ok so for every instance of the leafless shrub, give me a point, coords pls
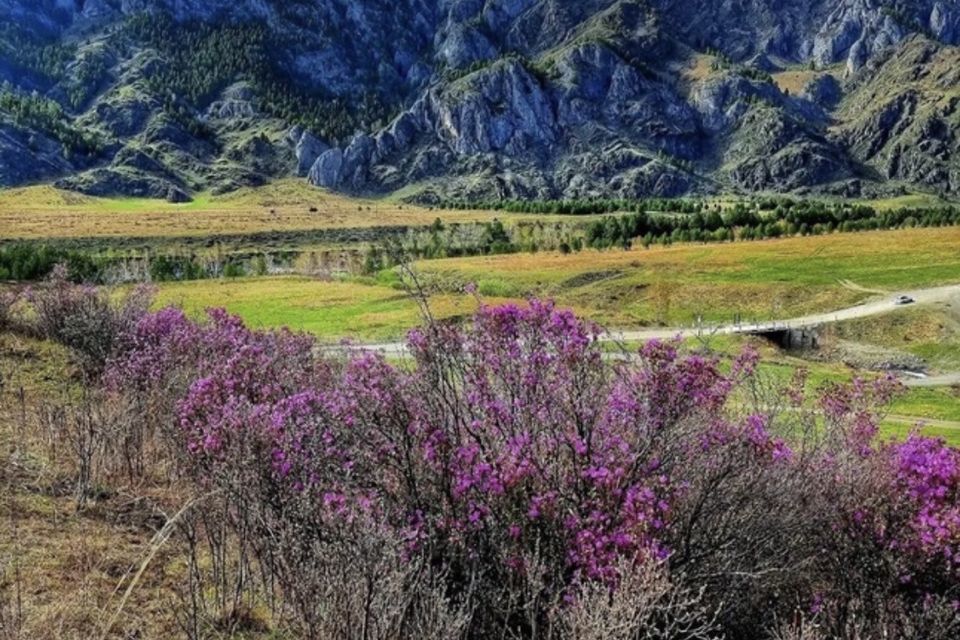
(803, 628)
(645, 606)
(78, 429)
(890, 616)
(7, 301)
(350, 578)
(221, 589)
(353, 583)
(366, 590)
(938, 619)
(96, 436)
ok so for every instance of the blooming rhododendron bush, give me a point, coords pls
(512, 480)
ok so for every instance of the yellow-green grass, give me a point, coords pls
(33, 366)
(798, 275)
(893, 429)
(934, 403)
(910, 200)
(44, 212)
(795, 81)
(770, 279)
(330, 310)
(934, 412)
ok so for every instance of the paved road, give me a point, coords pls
(864, 310)
(927, 422)
(943, 380)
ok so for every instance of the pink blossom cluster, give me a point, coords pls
(928, 479)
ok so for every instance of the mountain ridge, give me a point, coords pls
(481, 98)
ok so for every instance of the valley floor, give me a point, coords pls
(65, 572)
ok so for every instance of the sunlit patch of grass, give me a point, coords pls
(936, 403)
(909, 201)
(900, 430)
(330, 310)
(700, 67)
(794, 81)
(33, 365)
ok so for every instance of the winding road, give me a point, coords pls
(866, 309)
(862, 310)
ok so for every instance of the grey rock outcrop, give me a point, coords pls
(236, 102)
(307, 148)
(327, 171)
(109, 182)
(945, 22)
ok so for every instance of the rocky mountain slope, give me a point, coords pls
(481, 98)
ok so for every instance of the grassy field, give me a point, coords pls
(764, 280)
(331, 310)
(893, 429)
(668, 286)
(620, 289)
(794, 80)
(45, 212)
(61, 565)
(49, 213)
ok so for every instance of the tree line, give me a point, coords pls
(744, 223)
(578, 207)
(665, 221)
(30, 262)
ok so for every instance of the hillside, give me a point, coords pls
(474, 98)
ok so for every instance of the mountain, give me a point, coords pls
(482, 98)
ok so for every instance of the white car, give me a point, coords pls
(901, 300)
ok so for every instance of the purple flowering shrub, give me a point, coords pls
(927, 482)
(514, 464)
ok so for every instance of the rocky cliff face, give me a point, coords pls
(539, 98)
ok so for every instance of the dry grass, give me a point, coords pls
(46, 212)
(59, 567)
(69, 564)
(795, 81)
(700, 68)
